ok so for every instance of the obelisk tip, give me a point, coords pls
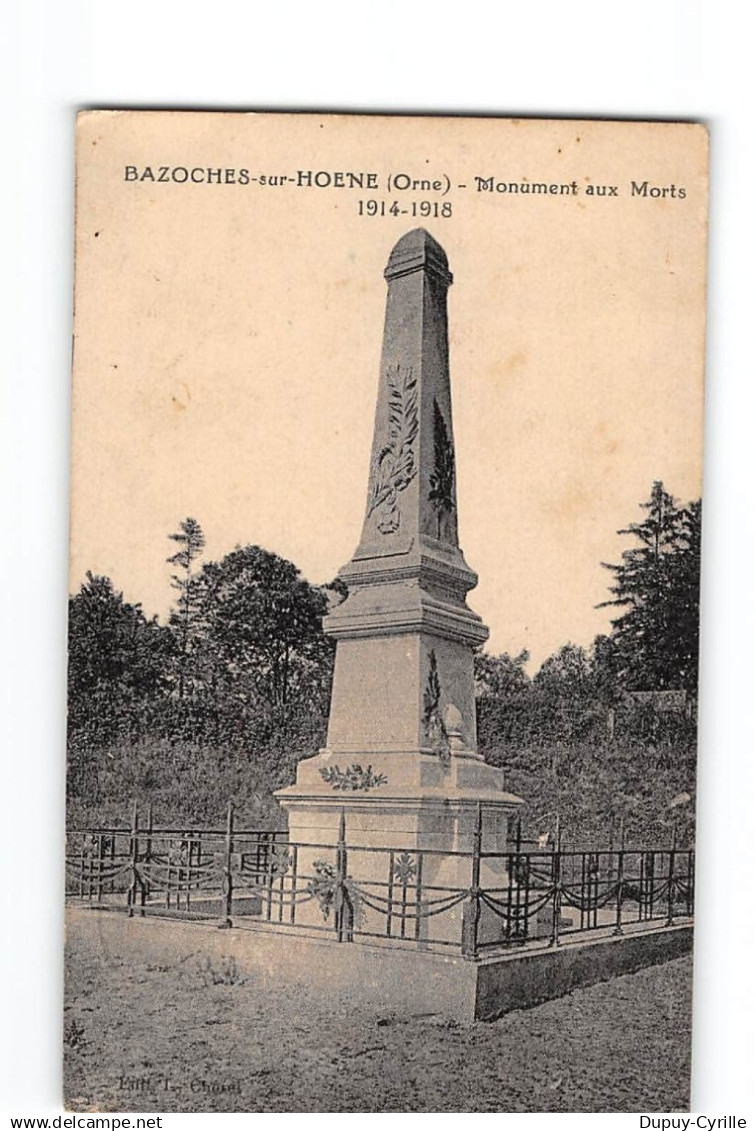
(418, 251)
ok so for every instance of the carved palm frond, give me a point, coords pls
(403, 424)
(395, 466)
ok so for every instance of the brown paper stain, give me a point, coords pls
(508, 366)
(179, 404)
(568, 504)
(605, 442)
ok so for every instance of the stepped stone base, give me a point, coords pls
(403, 982)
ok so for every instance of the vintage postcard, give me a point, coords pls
(383, 628)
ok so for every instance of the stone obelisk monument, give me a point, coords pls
(401, 757)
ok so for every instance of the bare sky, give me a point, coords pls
(228, 342)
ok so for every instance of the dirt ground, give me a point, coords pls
(154, 1022)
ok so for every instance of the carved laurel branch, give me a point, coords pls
(354, 778)
(435, 731)
(395, 466)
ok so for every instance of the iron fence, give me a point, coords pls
(474, 902)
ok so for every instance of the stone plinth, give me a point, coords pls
(374, 980)
(429, 811)
(401, 760)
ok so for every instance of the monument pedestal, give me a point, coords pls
(409, 840)
(422, 804)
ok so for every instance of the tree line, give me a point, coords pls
(242, 669)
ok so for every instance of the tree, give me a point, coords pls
(566, 674)
(261, 622)
(605, 664)
(657, 584)
(564, 697)
(192, 542)
(685, 598)
(501, 676)
(503, 698)
(117, 660)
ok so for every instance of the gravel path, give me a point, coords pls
(165, 1027)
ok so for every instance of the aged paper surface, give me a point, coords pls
(229, 322)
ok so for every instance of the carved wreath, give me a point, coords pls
(325, 886)
(353, 778)
(395, 467)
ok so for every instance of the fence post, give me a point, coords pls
(390, 894)
(270, 840)
(556, 914)
(228, 882)
(620, 890)
(471, 914)
(418, 896)
(610, 875)
(294, 862)
(148, 860)
(112, 862)
(133, 854)
(509, 933)
(82, 849)
(100, 864)
(671, 878)
(338, 890)
(523, 868)
(342, 905)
